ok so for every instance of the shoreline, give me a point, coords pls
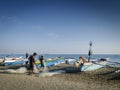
(102, 79)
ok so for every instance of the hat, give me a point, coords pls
(34, 53)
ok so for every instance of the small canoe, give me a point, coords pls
(53, 62)
(48, 60)
(93, 65)
(15, 62)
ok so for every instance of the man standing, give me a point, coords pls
(32, 62)
(27, 55)
(41, 58)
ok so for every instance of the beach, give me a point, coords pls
(101, 79)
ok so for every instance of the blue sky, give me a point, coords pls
(59, 26)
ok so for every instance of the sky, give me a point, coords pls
(59, 26)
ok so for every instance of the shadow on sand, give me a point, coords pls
(116, 77)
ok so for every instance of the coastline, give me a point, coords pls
(102, 79)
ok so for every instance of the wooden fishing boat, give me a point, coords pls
(93, 65)
(52, 62)
(15, 62)
(48, 60)
(12, 58)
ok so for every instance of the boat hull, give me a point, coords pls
(52, 63)
(93, 65)
(15, 62)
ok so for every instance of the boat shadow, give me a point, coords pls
(116, 77)
(107, 73)
(67, 69)
(110, 74)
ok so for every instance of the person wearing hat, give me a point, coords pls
(31, 63)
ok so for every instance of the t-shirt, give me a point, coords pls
(31, 59)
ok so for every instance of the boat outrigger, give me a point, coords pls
(93, 65)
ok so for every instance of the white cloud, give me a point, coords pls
(10, 18)
(53, 35)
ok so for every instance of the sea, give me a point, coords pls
(114, 59)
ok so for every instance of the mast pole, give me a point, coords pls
(90, 51)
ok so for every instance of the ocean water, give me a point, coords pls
(115, 59)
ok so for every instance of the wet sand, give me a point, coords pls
(102, 79)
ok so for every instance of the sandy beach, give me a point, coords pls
(102, 79)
